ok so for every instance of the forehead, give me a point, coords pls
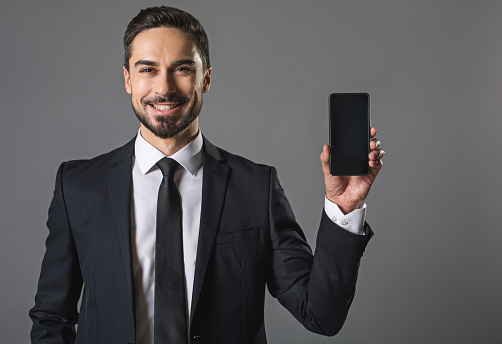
(164, 44)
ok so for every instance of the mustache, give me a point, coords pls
(160, 99)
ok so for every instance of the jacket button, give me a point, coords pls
(196, 340)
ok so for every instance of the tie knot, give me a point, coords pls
(168, 166)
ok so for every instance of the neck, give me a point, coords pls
(173, 144)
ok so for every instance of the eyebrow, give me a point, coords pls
(183, 62)
(155, 64)
(146, 63)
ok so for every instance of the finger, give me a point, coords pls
(375, 165)
(375, 143)
(373, 131)
(376, 154)
(381, 153)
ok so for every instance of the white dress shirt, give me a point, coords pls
(146, 179)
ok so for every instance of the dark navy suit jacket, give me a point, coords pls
(248, 239)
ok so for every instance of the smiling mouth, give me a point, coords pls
(165, 107)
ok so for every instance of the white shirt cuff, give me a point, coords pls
(352, 222)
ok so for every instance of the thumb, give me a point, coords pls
(325, 160)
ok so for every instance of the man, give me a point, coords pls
(192, 267)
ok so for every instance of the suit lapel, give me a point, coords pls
(214, 186)
(119, 185)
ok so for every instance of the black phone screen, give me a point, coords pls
(349, 133)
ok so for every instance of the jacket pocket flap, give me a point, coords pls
(248, 233)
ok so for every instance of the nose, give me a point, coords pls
(166, 84)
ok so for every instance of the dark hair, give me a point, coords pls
(164, 16)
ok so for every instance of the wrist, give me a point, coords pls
(345, 207)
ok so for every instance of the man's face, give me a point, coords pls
(166, 81)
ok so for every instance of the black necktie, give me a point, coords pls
(170, 313)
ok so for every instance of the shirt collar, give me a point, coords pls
(190, 156)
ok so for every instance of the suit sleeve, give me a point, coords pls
(317, 289)
(55, 312)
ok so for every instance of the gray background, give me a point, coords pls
(431, 274)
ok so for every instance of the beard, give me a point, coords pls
(165, 126)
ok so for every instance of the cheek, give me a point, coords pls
(140, 89)
(189, 85)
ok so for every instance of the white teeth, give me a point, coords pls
(165, 107)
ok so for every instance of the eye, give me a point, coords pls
(146, 70)
(183, 69)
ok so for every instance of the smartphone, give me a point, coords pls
(349, 134)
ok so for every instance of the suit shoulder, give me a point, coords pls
(98, 163)
(86, 163)
(244, 164)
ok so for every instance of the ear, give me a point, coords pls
(207, 80)
(127, 80)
